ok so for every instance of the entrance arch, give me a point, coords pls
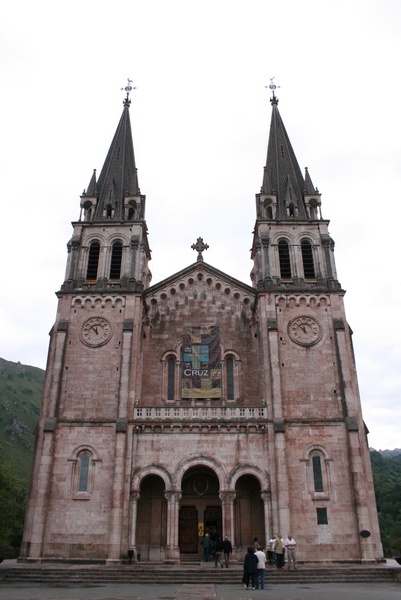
(248, 513)
(151, 526)
(200, 508)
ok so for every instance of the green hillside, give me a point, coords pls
(20, 397)
(387, 481)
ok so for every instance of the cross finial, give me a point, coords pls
(273, 87)
(200, 247)
(128, 88)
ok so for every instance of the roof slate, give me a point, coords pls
(118, 177)
(282, 175)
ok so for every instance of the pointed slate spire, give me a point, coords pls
(118, 177)
(92, 187)
(309, 187)
(282, 175)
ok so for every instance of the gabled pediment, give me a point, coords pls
(203, 284)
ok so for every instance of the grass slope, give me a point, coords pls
(20, 398)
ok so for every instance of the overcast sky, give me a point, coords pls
(200, 117)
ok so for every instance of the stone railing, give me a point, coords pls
(181, 413)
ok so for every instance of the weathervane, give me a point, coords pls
(128, 88)
(273, 87)
(200, 247)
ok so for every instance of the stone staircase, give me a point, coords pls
(189, 573)
(190, 559)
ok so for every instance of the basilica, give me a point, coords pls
(200, 403)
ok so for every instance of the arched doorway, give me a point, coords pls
(249, 513)
(200, 508)
(151, 519)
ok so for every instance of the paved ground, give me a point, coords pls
(141, 591)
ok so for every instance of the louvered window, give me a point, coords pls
(284, 257)
(93, 261)
(116, 256)
(307, 259)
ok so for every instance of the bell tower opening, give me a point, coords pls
(200, 509)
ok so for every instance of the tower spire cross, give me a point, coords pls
(273, 87)
(128, 88)
(200, 247)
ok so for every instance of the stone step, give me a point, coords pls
(190, 559)
(189, 574)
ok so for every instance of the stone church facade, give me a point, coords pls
(200, 403)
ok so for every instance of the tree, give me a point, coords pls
(13, 498)
(387, 481)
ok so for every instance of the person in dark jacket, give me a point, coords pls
(250, 568)
(227, 549)
(206, 543)
(218, 549)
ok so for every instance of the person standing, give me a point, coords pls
(213, 539)
(250, 568)
(206, 543)
(218, 549)
(227, 549)
(290, 544)
(261, 569)
(270, 553)
(278, 550)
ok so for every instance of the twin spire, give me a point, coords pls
(118, 179)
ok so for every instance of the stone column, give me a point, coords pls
(173, 506)
(177, 380)
(266, 501)
(116, 513)
(227, 509)
(134, 248)
(135, 495)
(73, 250)
(266, 262)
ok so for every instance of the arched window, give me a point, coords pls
(313, 209)
(93, 261)
(317, 472)
(115, 264)
(284, 258)
(84, 461)
(230, 377)
(307, 259)
(170, 378)
(270, 212)
(291, 210)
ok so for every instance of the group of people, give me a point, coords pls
(255, 559)
(214, 547)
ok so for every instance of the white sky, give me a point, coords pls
(200, 119)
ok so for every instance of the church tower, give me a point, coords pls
(319, 452)
(200, 404)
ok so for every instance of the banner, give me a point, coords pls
(201, 377)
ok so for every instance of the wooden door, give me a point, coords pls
(188, 540)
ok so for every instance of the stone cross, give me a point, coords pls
(200, 246)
